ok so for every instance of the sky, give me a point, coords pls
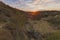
(34, 5)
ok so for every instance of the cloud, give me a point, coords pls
(34, 5)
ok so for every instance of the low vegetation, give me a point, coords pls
(17, 25)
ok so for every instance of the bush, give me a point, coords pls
(53, 36)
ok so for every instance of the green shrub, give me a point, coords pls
(53, 36)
